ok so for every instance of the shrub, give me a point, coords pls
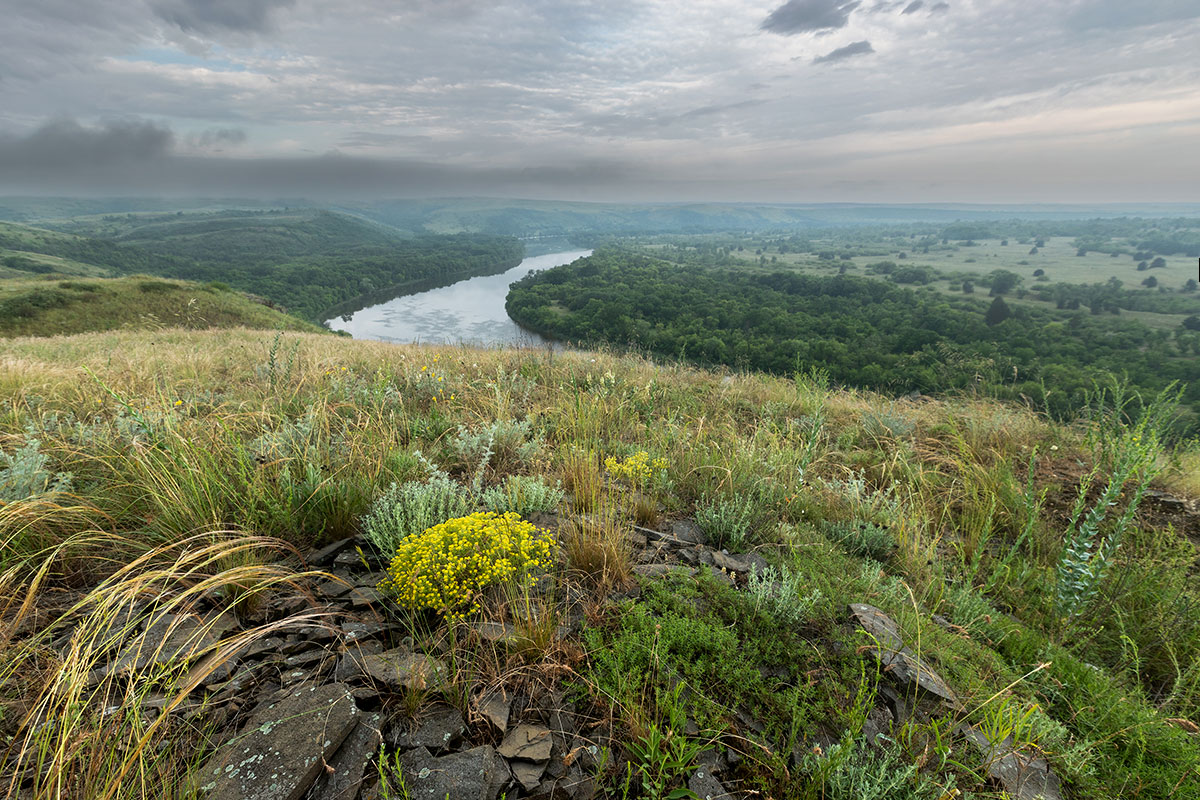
(504, 443)
(24, 474)
(410, 508)
(638, 470)
(446, 568)
(523, 495)
(778, 592)
(727, 522)
(860, 539)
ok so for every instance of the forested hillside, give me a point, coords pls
(863, 332)
(305, 261)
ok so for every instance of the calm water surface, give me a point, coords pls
(470, 311)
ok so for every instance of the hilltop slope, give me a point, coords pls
(693, 616)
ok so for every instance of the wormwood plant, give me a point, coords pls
(780, 593)
(523, 495)
(446, 568)
(24, 474)
(1088, 550)
(727, 521)
(409, 508)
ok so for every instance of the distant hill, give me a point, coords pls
(304, 260)
(52, 307)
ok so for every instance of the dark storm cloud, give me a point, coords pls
(136, 156)
(802, 16)
(63, 146)
(842, 53)
(215, 16)
(913, 7)
(217, 138)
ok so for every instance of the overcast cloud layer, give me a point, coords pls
(806, 100)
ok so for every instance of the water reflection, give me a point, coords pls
(470, 311)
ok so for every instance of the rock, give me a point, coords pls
(352, 663)
(739, 564)
(494, 632)
(329, 553)
(527, 773)
(437, 730)
(349, 762)
(528, 742)
(877, 724)
(687, 531)
(361, 597)
(705, 786)
(475, 774)
(898, 661)
(349, 558)
(1024, 776)
(1165, 501)
(402, 669)
(284, 746)
(495, 708)
(168, 638)
(658, 570)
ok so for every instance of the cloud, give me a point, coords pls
(803, 16)
(63, 145)
(216, 16)
(217, 138)
(939, 8)
(842, 53)
(913, 7)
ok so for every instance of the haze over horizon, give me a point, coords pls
(991, 101)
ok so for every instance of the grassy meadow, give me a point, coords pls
(162, 465)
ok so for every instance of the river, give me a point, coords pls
(469, 312)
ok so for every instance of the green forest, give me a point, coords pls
(863, 332)
(305, 262)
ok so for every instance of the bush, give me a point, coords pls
(861, 539)
(727, 522)
(778, 592)
(504, 443)
(410, 508)
(24, 474)
(446, 568)
(523, 495)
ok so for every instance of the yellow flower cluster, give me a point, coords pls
(638, 469)
(446, 568)
(436, 382)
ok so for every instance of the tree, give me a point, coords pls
(968, 287)
(1003, 282)
(1158, 263)
(1150, 282)
(997, 312)
(1192, 323)
(1037, 273)
(1191, 285)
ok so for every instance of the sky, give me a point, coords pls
(616, 100)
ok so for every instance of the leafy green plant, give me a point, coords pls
(505, 444)
(523, 495)
(662, 760)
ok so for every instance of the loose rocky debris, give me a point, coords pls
(304, 711)
(899, 662)
(1024, 776)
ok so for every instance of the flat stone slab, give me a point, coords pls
(437, 730)
(706, 787)
(284, 747)
(1024, 776)
(475, 774)
(495, 708)
(350, 761)
(898, 660)
(403, 669)
(527, 742)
